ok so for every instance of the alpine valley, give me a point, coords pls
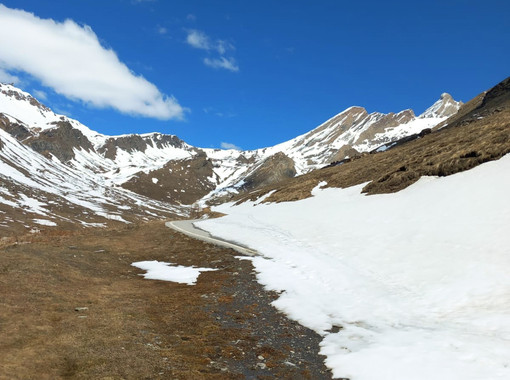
(374, 246)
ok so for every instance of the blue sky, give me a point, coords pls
(253, 74)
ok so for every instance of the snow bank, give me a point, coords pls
(418, 280)
(159, 270)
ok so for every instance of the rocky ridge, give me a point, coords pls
(164, 168)
(479, 132)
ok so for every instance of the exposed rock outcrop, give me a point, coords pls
(273, 170)
(179, 181)
(59, 141)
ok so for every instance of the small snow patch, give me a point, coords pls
(159, 270)
(45, 222)
(319, 187)
(155, 180)
(264, 197)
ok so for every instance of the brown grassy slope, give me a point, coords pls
(134, 328)
(479, 133)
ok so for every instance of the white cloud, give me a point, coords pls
(191, 17)
(226, 145)
(5, 77)
(222, 63)
(223, 46)
(162, 30)
(40, 95)
(200, 40)
(69, 58)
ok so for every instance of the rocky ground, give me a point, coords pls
(72, 306)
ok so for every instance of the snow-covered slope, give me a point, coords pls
(411, 285)
(356, 128)
(117, 160)
(38, 187)
(350, 132)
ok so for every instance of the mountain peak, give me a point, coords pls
(446, 106)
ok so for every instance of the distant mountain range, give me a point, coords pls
(57, 171)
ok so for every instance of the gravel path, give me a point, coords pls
(272, 345)
(188, 228)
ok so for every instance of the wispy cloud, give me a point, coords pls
(162, 30)
(215, 112)
(53, 52)
(226, 145)
(200, 40)
(40, 95)
(5, 77)
(222, 63)
(191, 17)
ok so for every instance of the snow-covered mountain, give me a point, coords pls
(70, 158)
(357, 129)
(36, 190)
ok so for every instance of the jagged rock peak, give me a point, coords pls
(446, 106)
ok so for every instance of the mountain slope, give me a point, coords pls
(42, 191)
(165, 168)
(479, 133)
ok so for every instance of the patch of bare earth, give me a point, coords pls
(72, 306)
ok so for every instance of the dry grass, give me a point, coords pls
(132, 328)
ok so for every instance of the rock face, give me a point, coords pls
(60, 141)
(138, 143)
(446, 106)
(498, 96)
(17, 130)
(37, 192)
(274, 169)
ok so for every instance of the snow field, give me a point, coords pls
(418, 280)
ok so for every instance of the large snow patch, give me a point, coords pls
(418, 281)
